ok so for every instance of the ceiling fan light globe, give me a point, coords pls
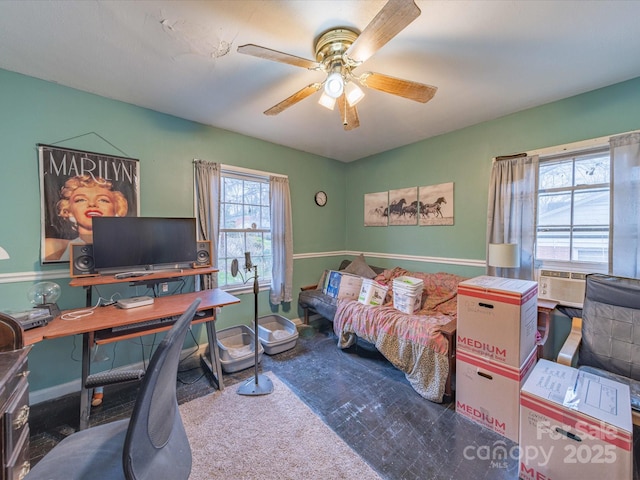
(354, 94)
(326, 101)
(334, 86)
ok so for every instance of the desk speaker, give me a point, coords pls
(81, 261)
(203, 254)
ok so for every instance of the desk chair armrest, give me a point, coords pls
(569, 352)
(111, 377)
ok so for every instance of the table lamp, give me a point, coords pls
(504, 255)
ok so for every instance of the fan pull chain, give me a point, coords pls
(344, 121)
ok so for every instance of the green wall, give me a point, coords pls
(464, 157)
(35, 111)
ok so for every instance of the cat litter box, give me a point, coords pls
(236, 348)
(277, 334)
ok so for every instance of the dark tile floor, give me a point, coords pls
(360, 395)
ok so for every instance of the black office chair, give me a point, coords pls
(151, 445)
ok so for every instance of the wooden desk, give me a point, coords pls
(97, 328)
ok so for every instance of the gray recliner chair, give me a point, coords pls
(151, 445)
(606, 340)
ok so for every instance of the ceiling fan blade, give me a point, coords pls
(418, 92)
(348, 113)
(263, 52)
(293, 99)
(389, 21)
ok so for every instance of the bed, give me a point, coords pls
(422, 344)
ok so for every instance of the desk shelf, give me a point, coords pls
(160, 275)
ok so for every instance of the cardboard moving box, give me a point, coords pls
(488, 391)
(498, 318)
(342, 285)
(574, 425)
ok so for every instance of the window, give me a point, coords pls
(573, 210)
(245, 226)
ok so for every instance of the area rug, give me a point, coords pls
(274, 436)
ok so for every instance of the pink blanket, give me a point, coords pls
(412, 342)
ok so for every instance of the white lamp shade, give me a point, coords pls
(3, 254)
(504, 255)
(354, 94)
(326, 101)
(334, 85)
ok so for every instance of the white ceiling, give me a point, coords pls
(487, 58)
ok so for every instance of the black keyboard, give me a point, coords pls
(117, 331)
(137, 327)
(156, 322)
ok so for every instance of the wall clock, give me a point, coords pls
(321, 198)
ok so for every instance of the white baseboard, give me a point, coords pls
(74, 386)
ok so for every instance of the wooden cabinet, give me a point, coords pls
(14, 401)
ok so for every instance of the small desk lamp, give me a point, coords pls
(504, 255)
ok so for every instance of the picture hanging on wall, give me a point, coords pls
(436, 204)
(376, 207)
(75, 187)
(403, 206)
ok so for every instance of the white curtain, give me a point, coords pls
(511, 211)
(207, 185)
(624, 258)
(281, 241)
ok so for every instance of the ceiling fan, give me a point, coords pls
(339, 52)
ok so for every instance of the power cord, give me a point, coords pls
(196, 348)
(78, 314)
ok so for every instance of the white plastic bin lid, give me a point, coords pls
(408, 281)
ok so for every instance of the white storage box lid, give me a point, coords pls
(408, 282)
(573, 390)
(507, 286)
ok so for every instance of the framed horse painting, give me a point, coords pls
(435, 203)
(403, 206)
(376, 209)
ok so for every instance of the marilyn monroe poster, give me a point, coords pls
(77, 186)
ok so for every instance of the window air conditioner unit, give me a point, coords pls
(566, 288)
